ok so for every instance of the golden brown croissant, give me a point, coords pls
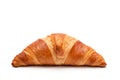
(58, 49)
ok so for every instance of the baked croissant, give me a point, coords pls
(58, 49)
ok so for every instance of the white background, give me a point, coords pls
(94, 22)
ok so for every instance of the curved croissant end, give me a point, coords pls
(58, 49)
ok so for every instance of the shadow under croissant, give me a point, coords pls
(62, 66)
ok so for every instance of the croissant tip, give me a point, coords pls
(13, 64)
(104, 64)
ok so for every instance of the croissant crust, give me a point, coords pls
(58, 49)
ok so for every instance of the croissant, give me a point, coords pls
(58, 49)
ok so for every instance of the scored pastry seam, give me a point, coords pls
(86, 57)
(69, 46)
(32, 56)
(99, 57)
(50, 46)
(57, 60)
